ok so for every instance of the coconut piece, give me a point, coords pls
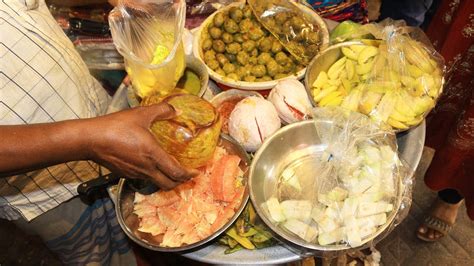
(291, 100)
(252, 121)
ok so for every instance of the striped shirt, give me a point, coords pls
(42, 79)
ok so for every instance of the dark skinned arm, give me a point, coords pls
(122, 142)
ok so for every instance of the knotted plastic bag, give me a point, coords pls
(297, 31)
(395, 77)
(357, 190)
(148, 35)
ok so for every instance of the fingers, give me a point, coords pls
(171, 167)
(163, 181)
(161, 111)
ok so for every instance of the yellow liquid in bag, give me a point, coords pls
(147, 80)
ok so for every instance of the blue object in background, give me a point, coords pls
(412, 11)
(323, 3)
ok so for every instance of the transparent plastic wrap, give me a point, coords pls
(395, 77)
(356, 191)
(148, 33)
(297, 31)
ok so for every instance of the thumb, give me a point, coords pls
(161, 111)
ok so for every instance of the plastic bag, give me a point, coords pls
(297, 31)
(356, 190)
(395, 78)
(148, 33)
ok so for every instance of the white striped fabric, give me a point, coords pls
(42, 79)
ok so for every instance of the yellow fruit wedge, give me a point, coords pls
(335, 102)
(321, 80)
(385, 107)
(350, 69)
(328, 98)
(369, 100)
(415, 121)
(367, 53)
(422, 104)
(380, 64)
(347, 85)
(335, 82)
(336, 68)
(357, 48)
(403, 104)
(408, 81)
(365, 68)
(395, 115)
(414, 71)
(351, 101)
(349, 53)
(315, 91)
(396, 124)
(324, 93)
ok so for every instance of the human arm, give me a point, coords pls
(121, 141)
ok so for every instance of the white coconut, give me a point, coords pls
(252, 121)
(290, 93)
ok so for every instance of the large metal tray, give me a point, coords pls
(410, 146)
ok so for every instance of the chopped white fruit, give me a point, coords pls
(274, 209)
(373, 220)
(337, 194)
(352, 232)
(366, 231)
(360, 187)
(334, 211)
(288, 177)
(371, 208)
(323, 198)
(334, 236)
(388, 155)
(370, 154)
(306, 232)
(297, 209)
(371, 197)
(349, 208)
(318, 212)
(327, 224)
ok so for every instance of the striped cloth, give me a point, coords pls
(42, 79)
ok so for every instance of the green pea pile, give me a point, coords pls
(237, 46)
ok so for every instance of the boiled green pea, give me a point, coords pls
(218, 46)
(233, 48)
(228, 68)
(218, 19)
(207, 44)
(215, 32)
(231, 26)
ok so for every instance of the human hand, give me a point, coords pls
(124, 144)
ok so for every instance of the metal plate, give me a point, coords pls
(410, 144)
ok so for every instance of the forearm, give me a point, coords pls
(29, 147)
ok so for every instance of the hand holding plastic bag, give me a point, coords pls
(148, 34)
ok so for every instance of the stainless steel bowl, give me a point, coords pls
(129, 221)
(322, 62)
(263, 85)
(295, 141)
(192, 63)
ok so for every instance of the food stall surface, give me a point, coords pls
(401, 247)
